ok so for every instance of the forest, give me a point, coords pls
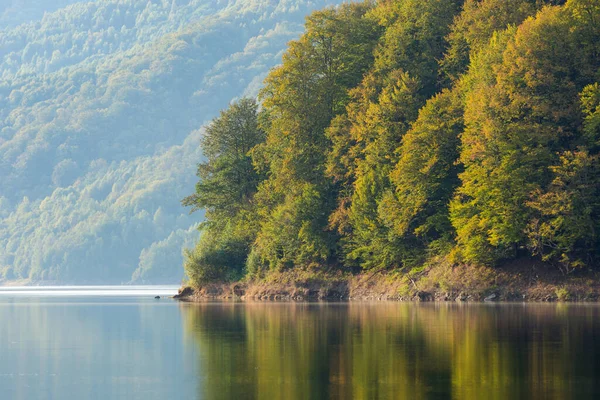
(102, 104)
(400, 135)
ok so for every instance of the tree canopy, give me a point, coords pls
(400, 131)
(102, 107)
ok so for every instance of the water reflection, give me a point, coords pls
(395, 351)
(124, 347)
(62, 347)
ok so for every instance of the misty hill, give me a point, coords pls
(101, 108)
(16, 12)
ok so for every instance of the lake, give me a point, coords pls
(121, 343)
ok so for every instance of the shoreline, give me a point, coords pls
(27, 283)
(519, 281)
(16, 283)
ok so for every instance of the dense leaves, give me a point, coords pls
(524, 141)
(404, 75)
(301, 98)
(228, 179)
(407, 130)
(102, 105)
(227, 186)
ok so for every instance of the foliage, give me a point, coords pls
(392, 133)
(227, 178)
(458, 131)
(476, 24)
(383, 126)
(524, 137)
(301, 97)
(565, 226)
(102, 105)
(365, 141)
(426, 174)
(215, 258)
(562, 294)
(226, 189)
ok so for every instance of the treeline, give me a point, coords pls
(397, 133)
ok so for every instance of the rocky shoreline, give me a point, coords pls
(520, 281)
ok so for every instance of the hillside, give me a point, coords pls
(101, 111)
(16, 12)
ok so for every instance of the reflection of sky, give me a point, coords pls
(104, 291)
(114, 343)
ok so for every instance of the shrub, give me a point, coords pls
(215, 260)
(562, 294)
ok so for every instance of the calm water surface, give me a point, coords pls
(121, 343)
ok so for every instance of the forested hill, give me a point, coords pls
(101, 109)
(409, 134)
(16, 12)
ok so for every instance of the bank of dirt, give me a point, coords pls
(522, 280)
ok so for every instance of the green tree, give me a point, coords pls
(228, 179)
(518, 123)
(474, 26)
(590, 104)
(364, 155)
(226, 189)
(426, 174)
(379, 132)
(301, 97)
(415, 38)
(565, 219)
(365, 140)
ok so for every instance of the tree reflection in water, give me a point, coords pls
(395, 351)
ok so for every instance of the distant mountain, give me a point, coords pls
(101, 109)
(16, 12)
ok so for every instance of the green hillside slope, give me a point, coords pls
(101, 109)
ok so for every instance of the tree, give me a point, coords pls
(475, 25)
(566, 215)
(366, 139)
(226, 189)
(415, 38)
(426, 175)
(379, 131)
(565, 221)
(518, 124)
(300, 98)
(228, 179)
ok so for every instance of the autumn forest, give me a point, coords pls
(401, 134)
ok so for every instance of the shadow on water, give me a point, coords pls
(395, 351)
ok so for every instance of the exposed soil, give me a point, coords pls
(521, 280)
